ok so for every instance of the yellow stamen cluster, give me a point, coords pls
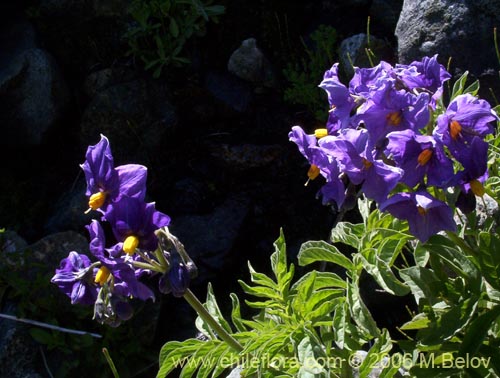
(320, 133)
(130, 244)
(394, 118)
(477, 188)
(424, 157)
(455, 129)
(102, 275)
(96, 200)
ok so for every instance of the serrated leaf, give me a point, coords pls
(213, 309)
(278, 258)
(313, 251)
(173, 352)
(236, 314)
(260, 278)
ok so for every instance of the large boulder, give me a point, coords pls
(456, 29)
(33, 93)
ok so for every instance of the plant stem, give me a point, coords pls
(209, 319)
(110, 363)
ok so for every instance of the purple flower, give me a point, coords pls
(340, 101)
(134, 222)
(420, 156)
(106, 183)
(390, 110)
(425, 75)
(125, 282)
(321, 163)
(76, 279)
(357, 161)
(426, 215)
(175, 281)
(365, 80)
(465, 118)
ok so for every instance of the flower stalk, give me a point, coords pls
(209, 319)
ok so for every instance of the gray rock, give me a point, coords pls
(249, 63)
(352, 51)
(11, 242)
(209, 238)
(33, 93)
(50, 250)
(230, 90)
(19, 354)
(134, 115)
(451, 28)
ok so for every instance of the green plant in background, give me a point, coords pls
(304, 73)
(162, 28)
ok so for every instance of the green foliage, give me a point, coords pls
(162, 28)
(304, 73)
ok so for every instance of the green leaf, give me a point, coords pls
(360, 313)
(172, 353)
(236, 314)
(310, 367)
(347, 233)
(173, 28)
(473, 88)
(458, 87)
(313, 251)
(489, 258)
(212, 307)
(420, 321)
(379, 349)
(323, 280)
(41, 336)
(278, 258)
(477, 331)
(383, 274)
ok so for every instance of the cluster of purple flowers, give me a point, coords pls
(118, 194)
(390, 137)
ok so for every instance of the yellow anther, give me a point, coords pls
(96, 200)
(320, 133)
(455, 129)
(424, 157)
(477, 188)
(421, 210)
(130, 244)
(312, 173)
(394, 118)
(102, 275)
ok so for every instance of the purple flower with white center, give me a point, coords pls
(465, 118)
(134, 223)
(427, 74)
(420, 156)
(125, 282)
(75, 278)
(425, 214)
(105, 183)
(390, 110)
(350, 148)
(340, 101)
